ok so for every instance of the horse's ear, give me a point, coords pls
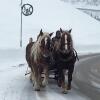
(41, 33)
(51, 34)
(70, 30)
(61, 30)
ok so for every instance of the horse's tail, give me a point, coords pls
(76, 55)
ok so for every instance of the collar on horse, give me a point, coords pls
(70, 56)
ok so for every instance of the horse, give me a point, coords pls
(28, 51)
(40, 56)
(64, 56)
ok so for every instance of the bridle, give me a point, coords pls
(45, 54)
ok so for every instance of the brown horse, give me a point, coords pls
(65, 58)
(28, 51)
(40, 55)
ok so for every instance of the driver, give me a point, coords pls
(57, 37)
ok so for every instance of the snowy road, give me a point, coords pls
(15, 86)
(87, 77)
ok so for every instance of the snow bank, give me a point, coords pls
(11, 58)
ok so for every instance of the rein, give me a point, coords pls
(76, 55)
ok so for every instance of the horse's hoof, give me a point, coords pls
(30, 80)
(65, 92)
(43, 86)
(44, 83)
(33, 84)
(68, 87)
(59, 83)
(37, 89)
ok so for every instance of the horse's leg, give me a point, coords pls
(37, 83)
(31, 73)
(45, 80)
(63, 84)
(70, 72)
(31, 76)
(36, 78)
(40, 77)
(59, 77)
(61, 80)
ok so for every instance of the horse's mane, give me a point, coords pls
(70, 38)
(36, 51)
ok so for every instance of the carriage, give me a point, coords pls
(53, 57)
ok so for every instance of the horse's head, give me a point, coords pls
(44, 39)
(66, 41)
(63, 41)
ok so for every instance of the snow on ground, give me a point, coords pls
(14, 85)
